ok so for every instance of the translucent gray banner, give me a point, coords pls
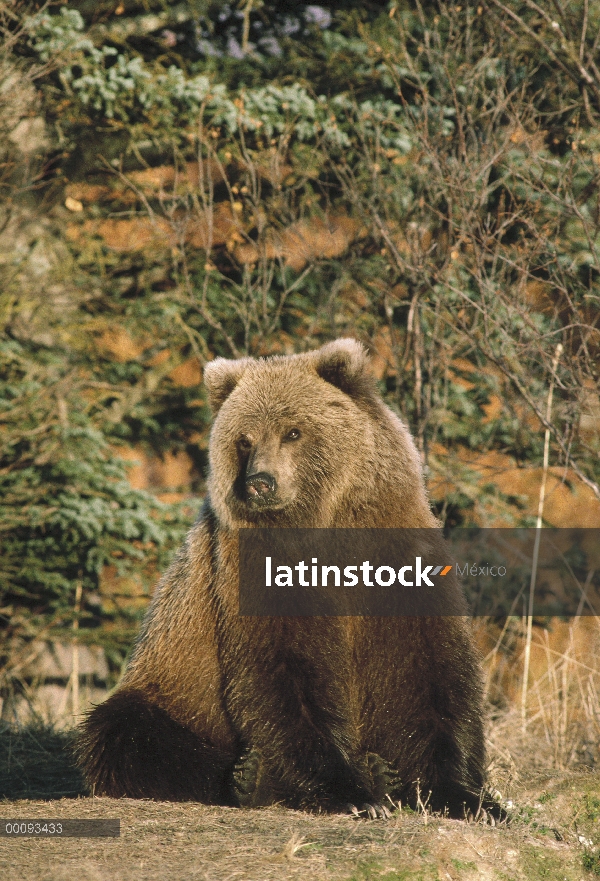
(24, 828)
(389, 572)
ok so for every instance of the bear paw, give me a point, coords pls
(245, 777)
(384, 779)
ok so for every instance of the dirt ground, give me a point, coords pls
(553, 834)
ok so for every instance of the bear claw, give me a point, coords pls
(373, 811)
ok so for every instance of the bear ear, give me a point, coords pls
(345, 364)
(221, 377)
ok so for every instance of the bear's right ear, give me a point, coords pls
(221, 377)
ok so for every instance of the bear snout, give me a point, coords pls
(261, 488)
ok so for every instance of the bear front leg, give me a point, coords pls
(289, 698)
(130, 747)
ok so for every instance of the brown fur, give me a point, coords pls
(305, 706)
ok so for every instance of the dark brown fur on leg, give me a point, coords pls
(132, 748)
(452, 783)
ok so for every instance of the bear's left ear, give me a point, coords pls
(221, 377)
(345, 364)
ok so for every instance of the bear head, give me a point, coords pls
(293, 436)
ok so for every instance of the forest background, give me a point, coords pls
(187, 180)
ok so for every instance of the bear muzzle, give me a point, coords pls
(261, 489)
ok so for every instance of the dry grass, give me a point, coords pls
(563, 710)
(180, 841)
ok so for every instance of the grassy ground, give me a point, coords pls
(553, 834)
(36, 763)
(193, 841)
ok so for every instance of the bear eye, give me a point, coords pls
(292, 435)
(244, 444)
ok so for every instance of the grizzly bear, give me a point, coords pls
(326, 713)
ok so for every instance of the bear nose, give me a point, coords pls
(260, 486)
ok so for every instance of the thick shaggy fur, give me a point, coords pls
(310, 712)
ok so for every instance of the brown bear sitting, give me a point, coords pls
(311, 712)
